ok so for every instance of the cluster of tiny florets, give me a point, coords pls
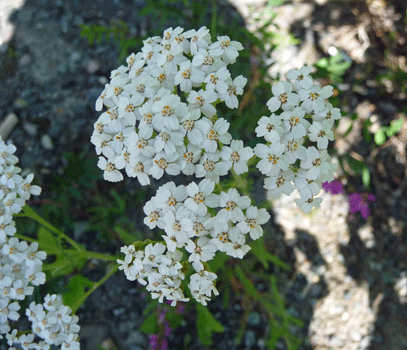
(21, 269)
(148, 130)
(285, 134)
(182, 212)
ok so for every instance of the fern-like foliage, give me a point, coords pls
(117, 31)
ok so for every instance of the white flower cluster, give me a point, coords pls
(285, 134)
(148, 130)
(21, 267)
(182, 212)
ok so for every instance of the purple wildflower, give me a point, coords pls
(360, 202)
(335, 187)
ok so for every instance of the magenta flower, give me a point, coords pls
(360, 202)
(335, 187)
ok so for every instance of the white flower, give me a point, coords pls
(189, 157)
(139, 168)
(138, 143)
(127, 106)
(313, 98)
(188, 77)
(153, 254)
(279, 184)
(110, 172)
(7, 227)
(273, 158)
(219, 131)
(201, 197)
(115, 88)
(199, 39)
(226, 48)
(206, 62)
(167, 111)
(301, 77)
(168, 141)
(198, 225)
(170, 34)
(237, 156)
(202, 100)
(10, 177)
(283, 97)
(111, 121)
(321, 134)
(295, 124)
(210, 167)
(20, 290)
(307, 201)
(316, 163)
(7, 154)
(170, 59)
(236, 247)
(233, 205)
(329, 114)
(163, 79)
(178, 224)
(201, 250)
(195, 129)
(14, 249)
(233, 89)
(8, 310)
(216, 81)
(270, 128)
(164, 162)
(25, 189)
(169, 196)
(294, 150)
(253, 219)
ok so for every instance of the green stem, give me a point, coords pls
(30, 213)
(81, 254)
(214, 18)
(94, 287)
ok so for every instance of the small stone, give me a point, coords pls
(92, 66)
(30, 128)
(24, 60)
(64, 24)
(254, 319)
(103, 80)
(20, 103)
(76, 56)
(46, 142)
(249, 338)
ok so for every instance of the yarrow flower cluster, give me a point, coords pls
(148, 130)
(182, 212)
(285, 134)
(21, 268)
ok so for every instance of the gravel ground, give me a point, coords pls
(349, 279)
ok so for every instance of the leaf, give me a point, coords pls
(366, 177)
(380, 136)
(207, 324)
(47, 242)
(150, 324)
(126, 237)
(395, 127)
(216, 264)
(76, 289)
(259, 251)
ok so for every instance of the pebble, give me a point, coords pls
(30, 128)
(254, 319)
(46, 142)
(249, 338)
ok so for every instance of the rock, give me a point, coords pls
(46, 142)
